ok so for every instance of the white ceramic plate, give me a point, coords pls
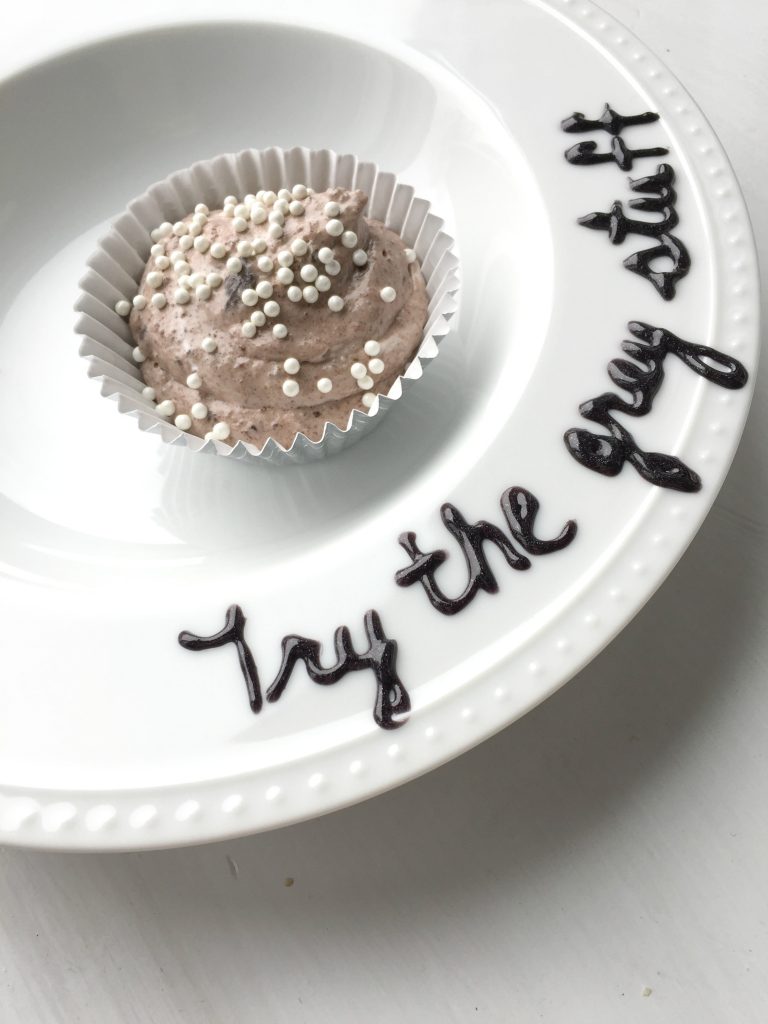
(114, 736)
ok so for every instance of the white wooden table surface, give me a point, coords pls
(604, 860)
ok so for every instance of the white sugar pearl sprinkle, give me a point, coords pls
(349, 239)
(335, 303)
(410, 255)
(372, 348)
(186, 242)
(265, 264)
(244, 249)
(358, 370)
(296, 209)
(177, 255)
(202, 208)
(157, 250)
(275, 231)
(200, 218)
(166, 408)
(230, 200)
(181, 296)
(220, 431)
(332, 267)
(239, 224)
(185, 281)
(294, 293)
(159, 301)
(195, 229)
(310, 293)
(165, 229)
(229, 209)
(264, 289)
(283, 193)
(366, 382)
(139, 302)
(291, 365)
(388, 294)
(181, 267)
(179, 228)
(271, 308)
(138, 355)
(249, 199)
(162, 262)
(123, 307)
(214, 279)
(281, 206)
(218, 250)
(248, 329)
(202, 244)
(258, 245)
(234, 264)
(285, 258)
(182, 421)
(149, 394)
(279, 331)
(325, 255)
(199, 410)
(203, 292)
(376, 366)
(359, 257)
(334, 228)
(197, 279)
(308, 273)
(324, 385)
(276, 217)
(284, 275)
(194, 381)
(258, 318)
(208, 344)
(241, 210)
(290, 388)
(258, 213)
(299, 247)
(368, 399)
(269, 198)
(250, 296)
(323, 283)
(331, 209)
(299, 191)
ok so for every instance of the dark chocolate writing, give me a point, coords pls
(586, 153)
(618, 225)
(391, 704)
(641, 380)
(609, 121)
(520, 508)
(615, 222)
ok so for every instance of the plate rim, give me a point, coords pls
(221, 808)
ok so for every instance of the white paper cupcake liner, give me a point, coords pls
(116, 267)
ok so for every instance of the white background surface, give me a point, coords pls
(613, 841)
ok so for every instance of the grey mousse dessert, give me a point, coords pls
(275, 315)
